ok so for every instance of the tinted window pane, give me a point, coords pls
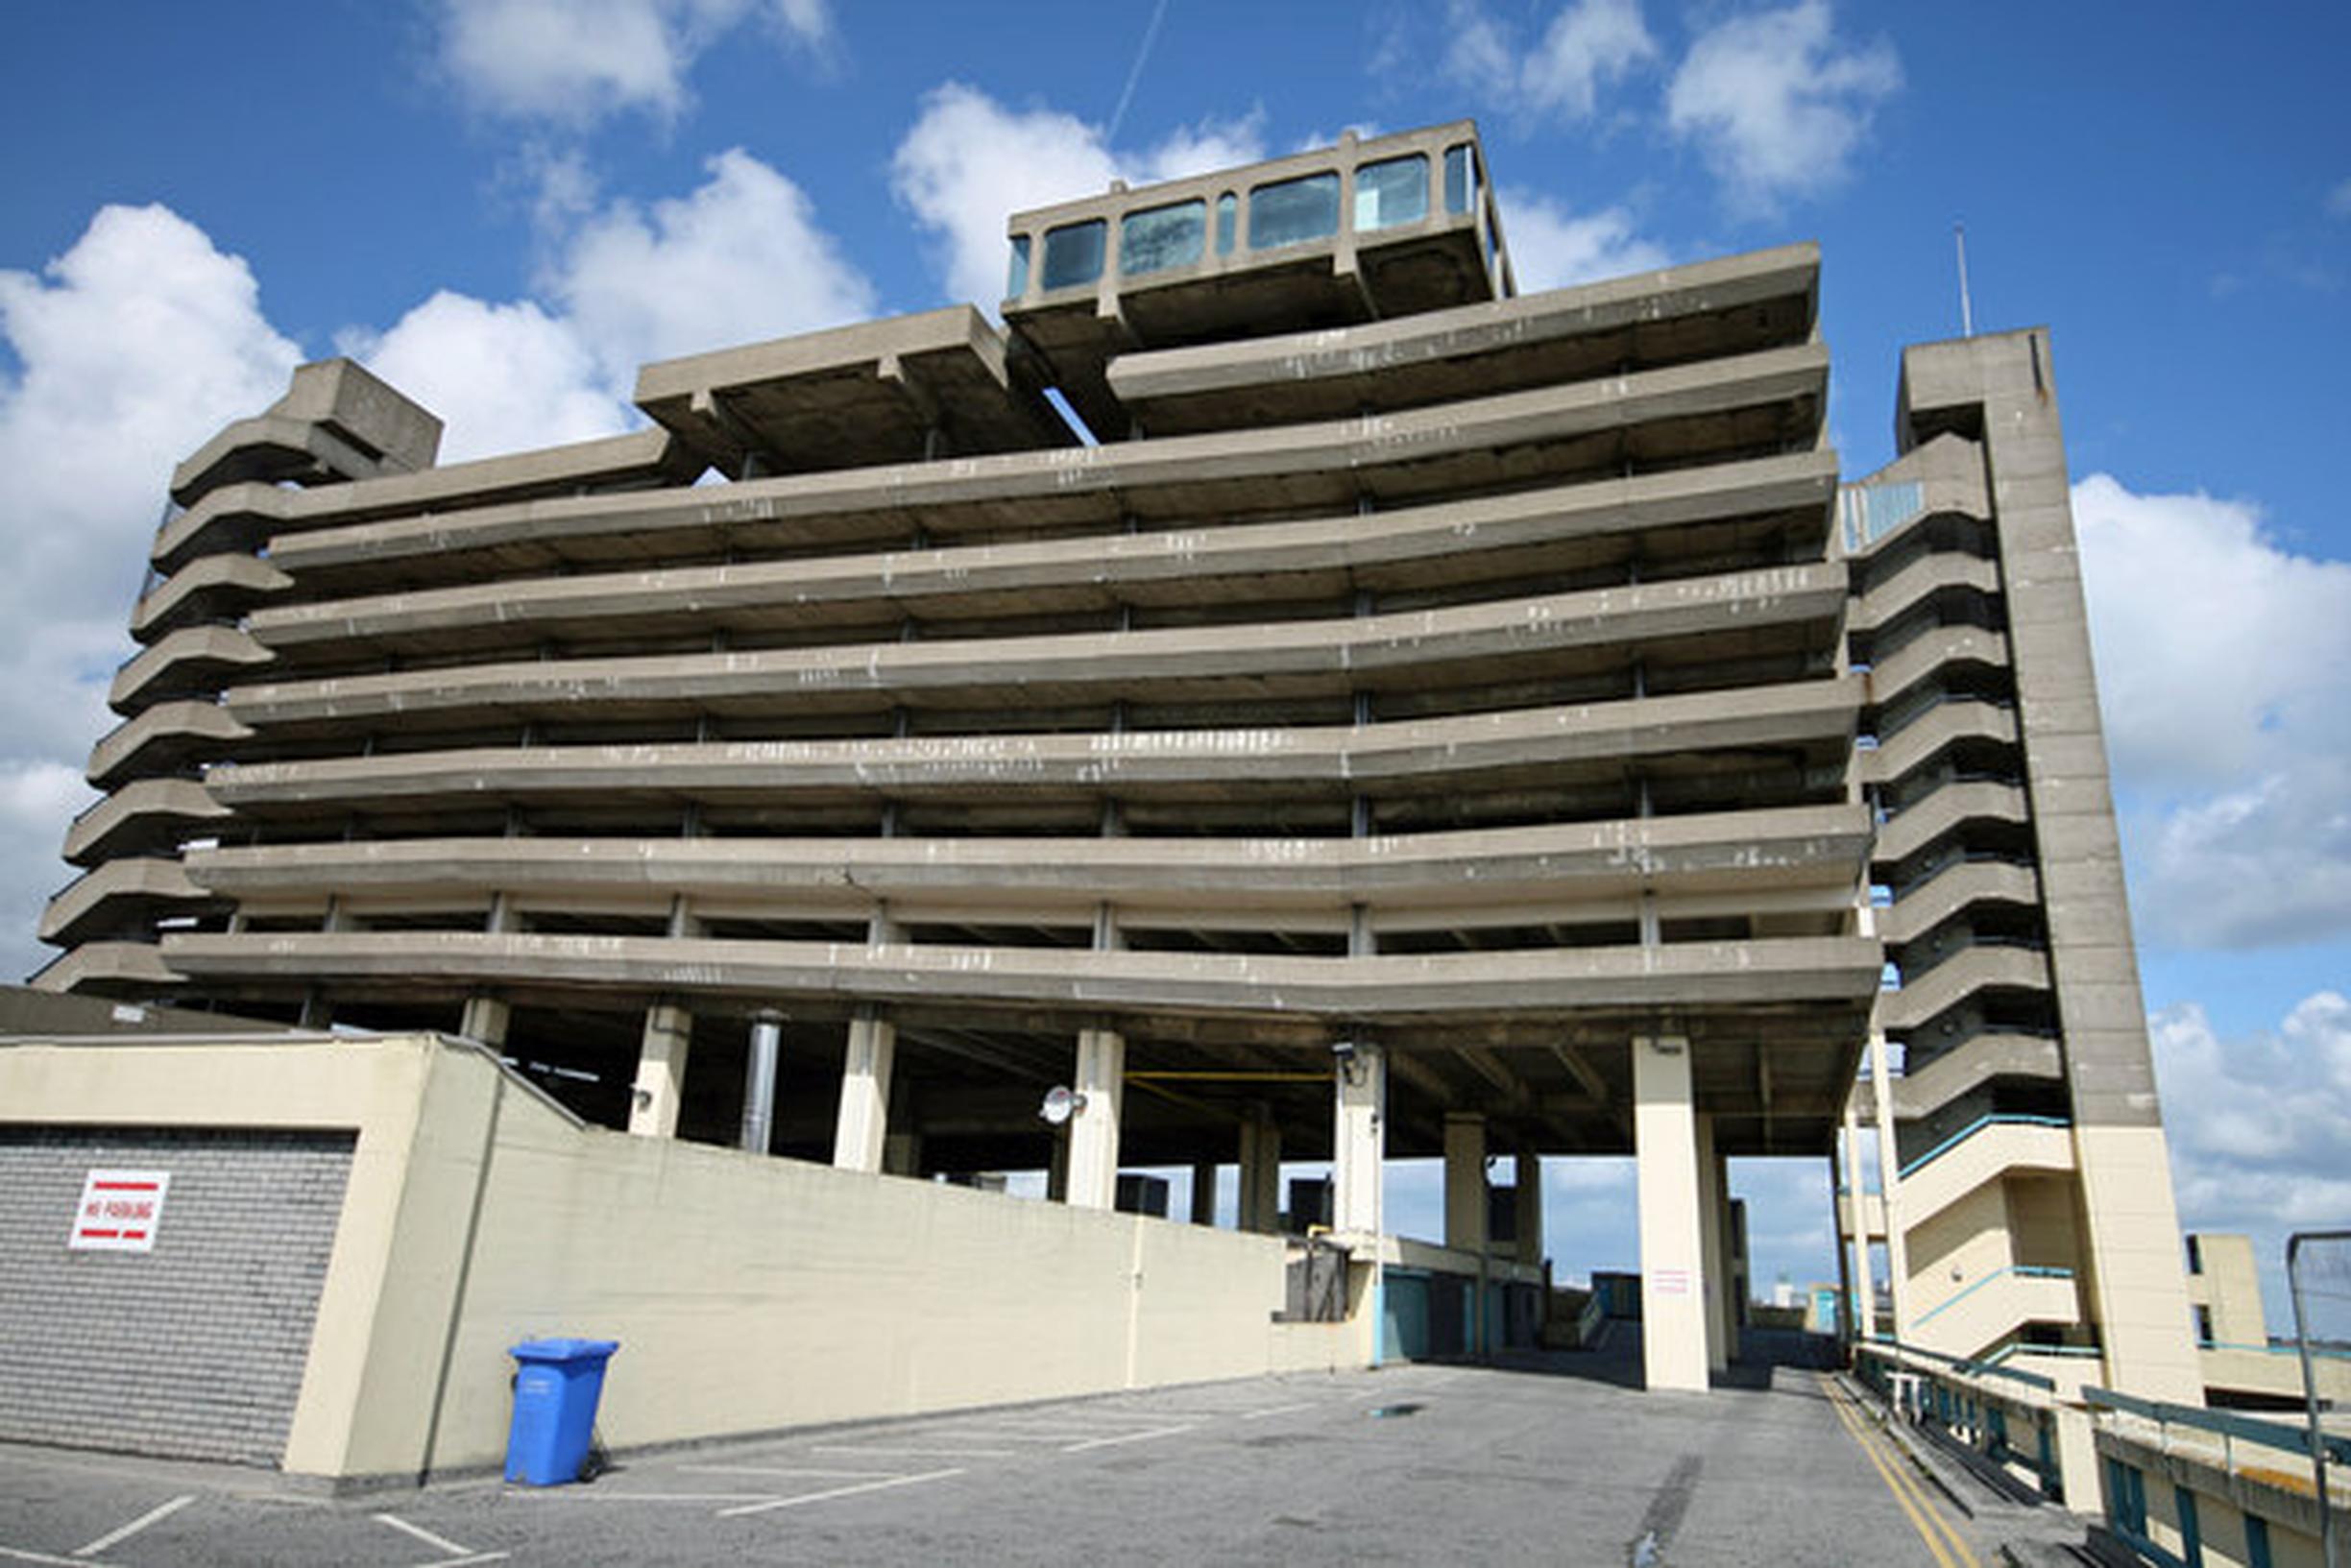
(1293, 211)
(1228, 204)
(1391, 192)
(1461, 179)
(1016, 278)
(1073, 253)
(1163, 237)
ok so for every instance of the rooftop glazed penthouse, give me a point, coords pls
(1425, 723)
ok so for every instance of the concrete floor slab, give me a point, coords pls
(1558, 1462)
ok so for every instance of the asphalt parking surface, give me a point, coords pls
(1412, 1464)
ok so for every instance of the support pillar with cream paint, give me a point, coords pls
(1204, 1192)
(1528, 1218)
(659, 1087)
(1094, 1131)
(1260, 1172)
(1359, 1139)
(1672, 1240)
(485, 1019)
(1716, 1254)
(1464, 1181)
(863, 1124)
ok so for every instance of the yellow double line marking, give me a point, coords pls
(1932, 1527)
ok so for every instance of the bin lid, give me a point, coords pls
(563, 1350)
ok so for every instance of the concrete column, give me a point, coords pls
(863, 1121)
(1889, 1184)
(1848, 1326)
(1464, 1181)
(1260, 1175)
(902, 1154)
(1672, 1237)
(1530, 1215)
(660, 1071)
(1739, 1283)
(1359, 1140)
(484, 1019)
(760, 1082)
(1853, 1204)
(1204, 1192)
(1716, 1256)
(1094, 1131)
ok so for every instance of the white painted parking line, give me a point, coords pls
(13, 1554)
(152, 1516)
(466, 1562)
(1018, 1434)
(1280, 1409)
(786, 1471)
(1129, 1437)
(897, 1452)
(438, 1543)
(773, 1503)
(600, 1494)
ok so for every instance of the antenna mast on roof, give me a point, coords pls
(1967, 314)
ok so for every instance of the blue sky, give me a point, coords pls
(506, 204)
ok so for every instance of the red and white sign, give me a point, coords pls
(1673, 1282)
(121, 1211)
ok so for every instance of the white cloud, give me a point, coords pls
(2258, 1124)
(1778, 106)
(37, 797)
(1551, 247)
(968, 162)
(740, 258)
(135, 346)
(144, 339)
(2215, 645)
(2220, 657)
(1589, 42)
(503, 378)
(572, 61)
(2262, 866)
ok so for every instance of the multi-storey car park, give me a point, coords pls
(1417, 719)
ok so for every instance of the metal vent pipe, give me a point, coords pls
(760, 1080)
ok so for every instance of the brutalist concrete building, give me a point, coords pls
(1430, 720)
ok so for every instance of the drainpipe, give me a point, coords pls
(759, 1081)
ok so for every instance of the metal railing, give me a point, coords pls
(2227, 1426)
(2001, 1117)
(2012, 1271)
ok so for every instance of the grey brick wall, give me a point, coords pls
(194, 1350)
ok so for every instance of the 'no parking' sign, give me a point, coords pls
(121, 1211)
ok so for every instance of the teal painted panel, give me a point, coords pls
(1404, 1332)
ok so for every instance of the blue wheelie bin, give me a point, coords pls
(555, 1395)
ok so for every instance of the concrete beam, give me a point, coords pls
(1691, 976)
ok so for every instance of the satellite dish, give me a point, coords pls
(1061, 1104)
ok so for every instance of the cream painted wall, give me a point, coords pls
(2136, 1280)
(755, 1294)
(2042, 1219)
(748, 1294)
(376, 1088)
